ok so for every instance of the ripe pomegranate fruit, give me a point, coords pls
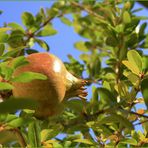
(51, 93)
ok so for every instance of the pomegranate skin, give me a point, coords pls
(50, 93)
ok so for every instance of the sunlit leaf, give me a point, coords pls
(48, 30)
(86, 141)
(5, 86)
(18, 122)
(135, 59)
(28, 76)
(3, 37)
(66, 21)
(19, 61)
(81, 46)
(126, 17)
(129, 141)
(131, 67)
(4, 29)
(15, 26)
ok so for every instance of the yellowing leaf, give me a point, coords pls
(3, 29)
(134, 58)
(5, 86)
(131, 67)
(81, 46)
(126, 17)
(85, 141)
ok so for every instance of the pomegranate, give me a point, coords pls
(51, 93)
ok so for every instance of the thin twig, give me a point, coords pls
(141, 115)
(87, 10)
(141, 122)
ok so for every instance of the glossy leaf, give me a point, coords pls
(131, 67)
(18, 122)
(28, 76)
(135, 59)
(28, 19)
(19, 61)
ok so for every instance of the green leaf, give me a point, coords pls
(28, 19)
(144, 89)
(134, 58)
(85, 141)
(5, 86)
(145, 63)
(133, 78)
(48, 30)
(43, 44)
(2, 48)
(111, 41)
(18, 122)
(115, 118)
(19, 61)
(16, 41)
(131, 67)
(81, 46)
(47, 134)
(28, 76)
(142, 29)
(34, 134)
(129, 141)
(6, 70)
(66, 21)
(106, 97)
(3, 37)
(126, 17)
(12, 105)
(4, 29)
(76, 105)
(30, 51)
(16, 26)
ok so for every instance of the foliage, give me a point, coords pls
(110, 32)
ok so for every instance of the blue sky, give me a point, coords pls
(62, 43)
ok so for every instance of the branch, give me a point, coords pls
(141, 122)
(20, 137)
(141, 115)
(87, 10)
(18, 134)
